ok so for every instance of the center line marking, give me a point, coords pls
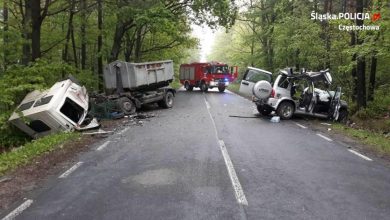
(238, 191)
(360, 155)
(301, 125)
(73, 168)
(207, 104)
(123, 131)
(18, 210)
(324, 137)
(101, 147)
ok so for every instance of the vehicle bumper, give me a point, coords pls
(269, 103)
(215, 83)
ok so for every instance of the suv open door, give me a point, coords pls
(251, 77)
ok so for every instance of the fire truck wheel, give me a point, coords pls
(167, 101)
(188, 87)
(203, 87)
(221, 88)
(126, 105)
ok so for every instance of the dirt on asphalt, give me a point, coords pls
(19, 182)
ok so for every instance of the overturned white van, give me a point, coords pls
(63, 107)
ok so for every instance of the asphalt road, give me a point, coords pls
(195, 162)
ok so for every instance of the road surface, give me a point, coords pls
(196, 162)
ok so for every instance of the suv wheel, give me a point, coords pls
(343, 116)
(263, 111)
(285, 110)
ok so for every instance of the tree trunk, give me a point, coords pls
(26, 23)
(68, 33)
(371, 86)
(116, 45)
(5, 36)
(74, 48)
(36, 21)
(138, 44)
(100, 45)
(361, 64)
(83, 33)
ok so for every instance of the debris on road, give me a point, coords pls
(98, 132)
(275, 119)
(327, 124)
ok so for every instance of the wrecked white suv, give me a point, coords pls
(304, 93)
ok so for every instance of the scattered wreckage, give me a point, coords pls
(66, 105)
(304, 93)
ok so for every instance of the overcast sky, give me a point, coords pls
(206, 38)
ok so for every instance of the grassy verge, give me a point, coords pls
(26, 153)
(176, 84)
(234, 87)
(378, 142)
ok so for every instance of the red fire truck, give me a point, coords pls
(207, 75)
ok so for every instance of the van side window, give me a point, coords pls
(38, 126)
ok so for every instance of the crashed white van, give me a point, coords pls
(63, 107)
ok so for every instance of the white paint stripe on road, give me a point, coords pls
(207, 104)
(71, 170)
(123, 131)
(101, 147)
(18, 210)
(324, 137)
(360, 155)
(301, 125)
(239, 193)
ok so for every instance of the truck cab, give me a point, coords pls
(207, 76)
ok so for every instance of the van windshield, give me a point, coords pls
(72, 110)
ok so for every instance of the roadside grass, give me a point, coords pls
(378, 142)
(176, 84)
(26, 153)
(234, 87)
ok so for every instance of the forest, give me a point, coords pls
(276, 34)
(42, 41)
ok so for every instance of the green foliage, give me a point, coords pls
(26, 153)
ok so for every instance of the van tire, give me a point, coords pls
(343, 116)
(221, 88)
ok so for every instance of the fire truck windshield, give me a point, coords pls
(218, 69)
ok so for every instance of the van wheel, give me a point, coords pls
(285, 110)
(343, 116)
(126, 106)
(221, 88)
(263, 111)
(203, 87)
(167, 101)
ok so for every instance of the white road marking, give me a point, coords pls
(301, 125)
(238, 191)
(327, 124)
(18, 210)
(123, 131)
(207, 104)
(101, 147)
(324, 137)
(71, 170)
(360, 155)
